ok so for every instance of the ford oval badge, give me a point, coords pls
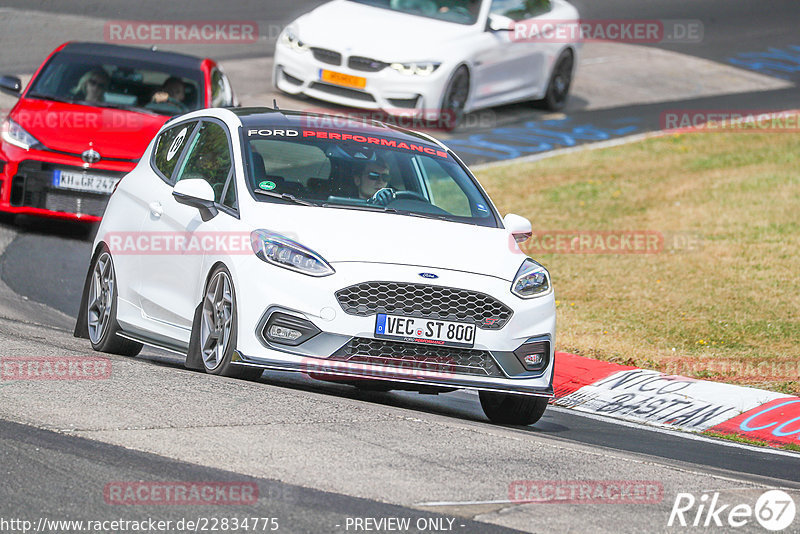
(428, 275)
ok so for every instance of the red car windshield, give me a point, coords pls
(119, 83)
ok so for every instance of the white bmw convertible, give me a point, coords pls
(254, 239)
(435, 59)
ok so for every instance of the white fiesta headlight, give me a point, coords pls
(532, 280)
(281, 251)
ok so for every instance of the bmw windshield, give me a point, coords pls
(345, 169)
(460, 11)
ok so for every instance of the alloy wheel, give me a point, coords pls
(217, 320)
(101, 293)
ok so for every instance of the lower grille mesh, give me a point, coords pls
(410, 356)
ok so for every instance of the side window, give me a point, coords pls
(209, 158)
(221, 93)
(445, 192)
(520, 9)
(168, 148)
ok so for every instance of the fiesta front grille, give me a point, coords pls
(366, 64)
(427, 301)
(413, 357)
(324, 55)
(342, 91)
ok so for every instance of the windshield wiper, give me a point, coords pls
(284, 196)
(364, 207)
(122, 106)
(425, 215)
(52, 98)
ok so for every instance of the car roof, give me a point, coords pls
(132, 52)
(276, 118)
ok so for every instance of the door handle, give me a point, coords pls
(156, 209)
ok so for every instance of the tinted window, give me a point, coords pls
(460, 11)
(209, 158)
(520, 9)
(168, 147)
(119, 83)
(320, 167)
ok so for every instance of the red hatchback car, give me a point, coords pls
(87, 116)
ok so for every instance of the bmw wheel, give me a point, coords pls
(560, 81)
(510, 409)
(218, 326)
(101, 310)
(455, 99)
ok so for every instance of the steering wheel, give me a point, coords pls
(410, 195)
(383, 197)
(387, 195)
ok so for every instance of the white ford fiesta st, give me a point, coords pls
(254, 239)
(430, 58)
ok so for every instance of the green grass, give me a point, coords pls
(721, 301)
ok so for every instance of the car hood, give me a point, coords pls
(357, 29)
(347, 235)
(73, 128)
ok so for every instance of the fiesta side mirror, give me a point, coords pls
(197, 193)
(519, 227)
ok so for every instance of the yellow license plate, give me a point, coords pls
(340, 78)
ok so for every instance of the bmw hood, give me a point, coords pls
(348, 235)
(357, 29)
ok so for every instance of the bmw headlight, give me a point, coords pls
(16, 135)
(424, 68)
(532, 280)
(290, 39)
(281, 251)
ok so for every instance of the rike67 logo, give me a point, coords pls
(774, 510)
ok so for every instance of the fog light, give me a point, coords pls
(534, 355)
(281, 333)
(287, 329)
(531, 360)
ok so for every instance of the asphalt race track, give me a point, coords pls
(322, 454)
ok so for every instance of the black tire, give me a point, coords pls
(510, 409)
(219, 317)
(455, 99)
(560, 81)
(101, 309)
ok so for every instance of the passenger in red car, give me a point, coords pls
(92, 86)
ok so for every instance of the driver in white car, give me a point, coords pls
(373, 178)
